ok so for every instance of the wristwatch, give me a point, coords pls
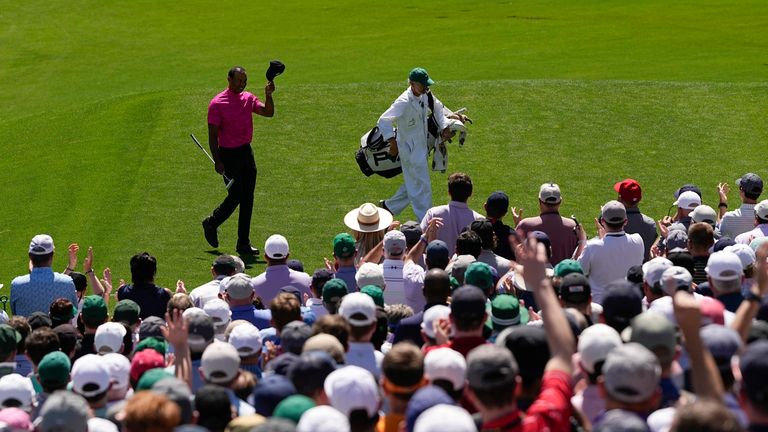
(752, 297)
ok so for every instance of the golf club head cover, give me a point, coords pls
(276, 67)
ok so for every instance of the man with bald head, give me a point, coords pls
(230, 130)
(437, 288)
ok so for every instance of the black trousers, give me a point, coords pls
(240, 166)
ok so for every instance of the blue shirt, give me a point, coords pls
(347, 274)
(258, 317)
(36, 291)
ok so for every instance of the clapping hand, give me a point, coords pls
(72, 251)
(722, 191)
(532, 257)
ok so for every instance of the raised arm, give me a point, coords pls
(429, 234)
(93, 280)
(268, 110)
(72, 258)
(704, 374)
(533, 257)
(177, 333)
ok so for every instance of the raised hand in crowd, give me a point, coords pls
(180, 287)
(93, 281)
(71, 258)
(517, 214)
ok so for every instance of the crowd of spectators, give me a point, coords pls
(455, 323)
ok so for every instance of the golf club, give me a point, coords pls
(226, 179)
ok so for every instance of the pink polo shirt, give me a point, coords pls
(233, 114)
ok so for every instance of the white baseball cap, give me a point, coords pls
(370, 274)
(761, 209)
(444, 417)
(688, 200)
(15, 386)
(675, 278)
(109, 338)
(358, 304)
(219, 311)
(119, 369)
(90, 376)
(433, 315)
(595, 342)
(41, 244)
(653, 269)
(323, 418)
(724, 266)
(246, 339)
(744, 252)
(276, 247)
(704, 213)
(351, 388)
(446, 364)
(394, 243)
(220, 363)
(550, 193)
(193, 311)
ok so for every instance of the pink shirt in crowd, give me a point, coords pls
(233, 114)
(456, 215)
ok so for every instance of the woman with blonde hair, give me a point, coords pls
(368, 223)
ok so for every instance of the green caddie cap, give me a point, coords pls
(421, 76)
(9, 338)
(53, 369)
(506, 311)
(334, 289)
(343, 245)
(566, 267)
(376, 293)
(293, 407)
(94, 307)
(154, 343)
(128, 311)
(480, 275)
(150, 377)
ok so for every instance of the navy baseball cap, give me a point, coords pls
(528, 344)
(424, 399)
(269, 392)
(723, 243)
(497, 204)
(750, 183)
(309, 371)
(282, 363)
(542, 237)
(468, 302)
(621, 303)
(688, 187)
(437, 251)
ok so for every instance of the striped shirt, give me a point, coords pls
(36, 291)
(738, 221)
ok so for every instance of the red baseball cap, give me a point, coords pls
(629, 190)
(144, 361)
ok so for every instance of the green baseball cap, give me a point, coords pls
(150, 377)
(53, 369)
(94, 307)
(566, 267)
(293, 407)
(9, 338)
(480, 275)
(376, 293)
(506, 311)
(128, 311)
(344, 245)
(154, 343)
(334, 289)
(421, 76)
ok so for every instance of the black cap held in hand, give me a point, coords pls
(276, 67)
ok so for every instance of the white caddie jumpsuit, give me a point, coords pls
(410, 113)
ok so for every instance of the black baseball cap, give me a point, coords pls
(754, 372)
(497, 204)
(621, 303)
(575, 289)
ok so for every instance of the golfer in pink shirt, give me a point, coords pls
(230, 130)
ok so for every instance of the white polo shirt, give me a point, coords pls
(608, 259)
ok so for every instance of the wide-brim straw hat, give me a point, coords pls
(368, 218)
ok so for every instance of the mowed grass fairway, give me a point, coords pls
(99, 99)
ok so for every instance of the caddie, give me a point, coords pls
(411, 113)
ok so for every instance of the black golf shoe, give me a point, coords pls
(211, 233)
(246, 249)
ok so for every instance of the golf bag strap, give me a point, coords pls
(431, 122)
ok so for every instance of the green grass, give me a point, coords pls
(99, 99)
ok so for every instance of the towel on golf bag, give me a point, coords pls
(439, 149)
(373, 156)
